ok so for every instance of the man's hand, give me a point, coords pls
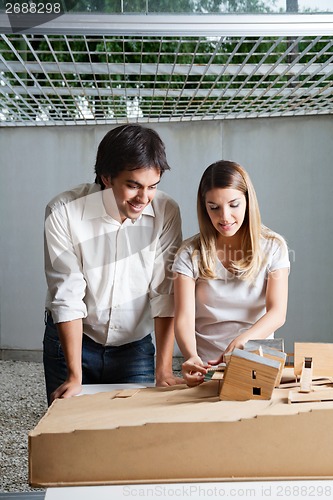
(67, 390)
(70, 335)
(168, 380)
(164, 336)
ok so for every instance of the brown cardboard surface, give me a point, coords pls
(179, 434)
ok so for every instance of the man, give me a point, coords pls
(109, 248)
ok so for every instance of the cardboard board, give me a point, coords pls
(179, 434)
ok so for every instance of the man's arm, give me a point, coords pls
(161, 296)
(66, 287)
(70, 334)
(164, 338)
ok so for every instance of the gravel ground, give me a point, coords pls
(22, 404)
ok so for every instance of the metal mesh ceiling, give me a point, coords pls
(62, 79)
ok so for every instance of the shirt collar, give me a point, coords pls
(94, 206)
(149, 210)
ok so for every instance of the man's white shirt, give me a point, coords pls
(116, 277)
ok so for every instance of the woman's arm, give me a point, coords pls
(275, 316)
(193, 368)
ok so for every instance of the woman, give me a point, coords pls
(231, 281)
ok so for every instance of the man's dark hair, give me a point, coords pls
(129, 147)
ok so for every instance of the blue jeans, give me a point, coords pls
(131, 363)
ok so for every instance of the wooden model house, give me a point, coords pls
(273, 354)
(249, 376)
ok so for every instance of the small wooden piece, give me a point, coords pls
(217, 368)
(215, 372)
(321, 354)
(218, 375)
(126, 393)
(315, 383)
(310, 397)
(249, 376)
(306, 376)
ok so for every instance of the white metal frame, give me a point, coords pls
(286, 69)
(183, 25)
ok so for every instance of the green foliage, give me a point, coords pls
(169, 6)
(114, 88)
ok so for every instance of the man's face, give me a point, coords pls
(133, 190)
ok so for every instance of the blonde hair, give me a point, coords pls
(228, 174)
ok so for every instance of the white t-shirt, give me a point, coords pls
(227, 305)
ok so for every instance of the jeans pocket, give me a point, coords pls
(144, 347)
(51, 343)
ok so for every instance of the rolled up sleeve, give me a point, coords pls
(161, 287)
(63, 269)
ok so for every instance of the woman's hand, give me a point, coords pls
(194, 371)
(239, 343)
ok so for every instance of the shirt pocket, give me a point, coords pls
(141, 267)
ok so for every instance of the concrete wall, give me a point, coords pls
(289, 160)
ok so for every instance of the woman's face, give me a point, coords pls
(226, 208)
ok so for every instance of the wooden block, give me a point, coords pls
(227, 357)
(215, 372)
(248, 376)
(126, 393)
(310, 397)
(321, 354)
(315, 383)
(217, 368)
(306, 376)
